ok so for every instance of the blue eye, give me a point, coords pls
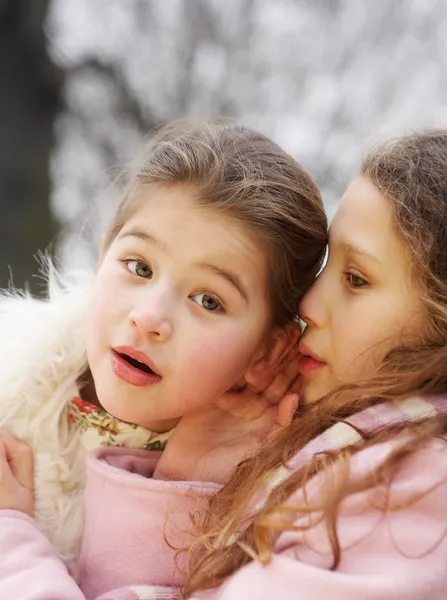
(207, 302)
(139, 268)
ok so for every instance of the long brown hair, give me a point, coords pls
(411, 173)
(242, 173)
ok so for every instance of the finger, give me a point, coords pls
(293, 331)
(245, 406)
(21, 460)
(232, 401)
(5, 468)
(258, 382)
(296, 385)
(284, 415)
(282, 382)
(286, 409)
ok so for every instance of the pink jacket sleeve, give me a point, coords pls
(29, 566)
(31, 570)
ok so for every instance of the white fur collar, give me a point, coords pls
(42, 355)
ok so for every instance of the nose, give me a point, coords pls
(152, 314)
(313, 308)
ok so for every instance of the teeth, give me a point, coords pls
(137, 364)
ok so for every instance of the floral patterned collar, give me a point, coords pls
(99, 428)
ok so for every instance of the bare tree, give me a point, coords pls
(28, 103)
(323, 78)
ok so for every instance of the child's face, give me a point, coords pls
(187, 287)
(365, 302)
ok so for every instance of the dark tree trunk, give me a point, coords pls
(29, 98)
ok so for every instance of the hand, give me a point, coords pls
(16, 475)
(208, 444)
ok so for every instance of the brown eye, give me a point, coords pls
(140, 269)
(207, 302)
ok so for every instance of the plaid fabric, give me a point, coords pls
(346, 433)
(369, 421)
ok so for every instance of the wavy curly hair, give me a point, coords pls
(411, 174)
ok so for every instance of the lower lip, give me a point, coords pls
(308, 365)
(131, 374)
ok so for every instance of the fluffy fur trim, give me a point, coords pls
(42, 354)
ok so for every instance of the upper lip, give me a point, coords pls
(306, 351)
(138, 355)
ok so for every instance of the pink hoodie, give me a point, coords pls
(401, 555)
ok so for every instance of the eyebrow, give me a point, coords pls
(230, 277)
(335, 241)
(361, 251)
(144, 237)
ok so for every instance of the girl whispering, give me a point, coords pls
(350, 500)
(218, 235)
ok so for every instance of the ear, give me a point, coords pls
(282, 341)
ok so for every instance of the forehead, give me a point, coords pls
(365, 219)
(193, 232)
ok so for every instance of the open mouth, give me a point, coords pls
(137, 364)
(131, 370)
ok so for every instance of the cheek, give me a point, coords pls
(222, 357)
(355, 334)
(108, 291)
(94, 331)
(358, 351)
(103, 306)
(364, 344)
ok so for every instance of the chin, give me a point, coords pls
(311, 392)
(113, 410)
(107, 399)
(120, 410)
